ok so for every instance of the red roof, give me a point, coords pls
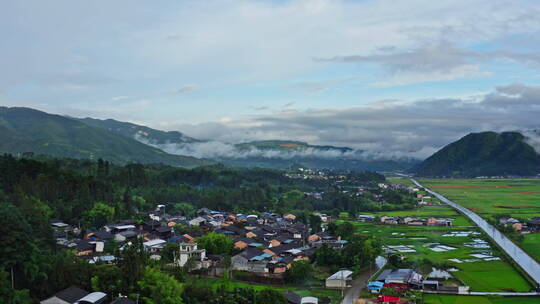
(388, 299)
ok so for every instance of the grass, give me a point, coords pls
(334, 295)
(480, 276)
(531, 244)
(450, 299)
(519, 198)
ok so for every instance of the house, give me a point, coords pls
(69, 295)
(154, 246)
(375, 286)
(163, 231)
(313, 238)
(294, 298)
(416, 222)
(340, 279)
(438, 222)
(123, 300)
(430, 284)
(125, 235)
(151, 225)
(84, 247)
(242, 243)
(289, 217)
(251, 259)
(366, 218)
(534, 224)
(399, 278)
(58, 224)
(197, 221)
(93, 298)
(189, 251)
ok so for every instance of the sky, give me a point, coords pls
(387, 76)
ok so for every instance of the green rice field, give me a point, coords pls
(479, 275)
(519, 198)
(448, 299)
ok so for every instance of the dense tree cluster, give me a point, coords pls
(360, 252)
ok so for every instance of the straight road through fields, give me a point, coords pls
(528, 264)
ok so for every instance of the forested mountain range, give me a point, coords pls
(483, 154)
(28, 130)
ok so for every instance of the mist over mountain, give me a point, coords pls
(278, 154)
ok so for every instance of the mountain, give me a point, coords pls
(28, 130)
(289, 146)
(276, 154)
(282, 154)
(483, 154)
(141, 133)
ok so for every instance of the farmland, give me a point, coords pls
(449, 299)
(519, 198)
(490, 198)
(496, 275)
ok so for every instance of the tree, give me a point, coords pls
(186, 209)
(345, 230)
(292, 199)
(270, 296)
(9, 295)
(331, 228)
(157, 287)
(315, 223)
(99, 215)
(132, 262)
(216, 243)
(168, 252)
(327, 256)
(300, 272)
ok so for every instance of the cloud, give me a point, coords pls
(117, 98)
(222, 150)
(533, 139)
(184, 89)
(440, 61)
(388, 129)
(319, 86)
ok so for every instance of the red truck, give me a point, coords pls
(388, 299)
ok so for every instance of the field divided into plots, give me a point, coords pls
(478, 265)
(489, 198)
(448, 299)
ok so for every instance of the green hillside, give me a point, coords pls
(154, 136)
(28, 130)
(483, 154)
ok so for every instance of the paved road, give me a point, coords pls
(528, 264)
(360, 282)
(356, 287)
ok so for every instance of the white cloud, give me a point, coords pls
(117, 98)
(389, 128)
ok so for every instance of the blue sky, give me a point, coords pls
(202, 67)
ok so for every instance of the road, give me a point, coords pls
(528, 264)
(360, 282)
(356, 287)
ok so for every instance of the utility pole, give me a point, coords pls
(12, 279)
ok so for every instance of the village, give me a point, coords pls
(265, 245)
